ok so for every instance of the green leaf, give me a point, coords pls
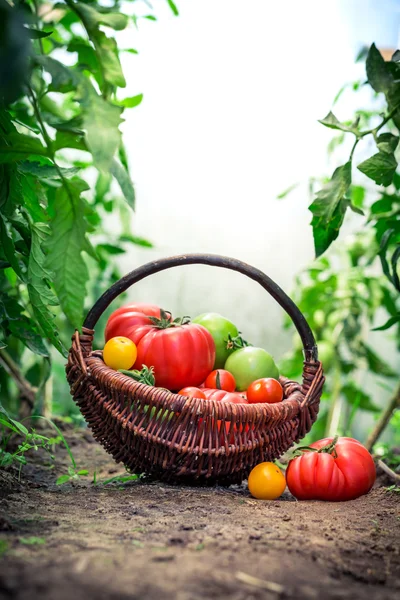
(63, 479)
(25, 330)
(65, 246)
(68, 139)
(125, 182)
(389, 323)
(328, 198)
(92, 18)
(381, 167)
(136, 240)
(329, 208)
(131, 102)
(17, 146)
(47, 171)
(83, 472)
(173, 7)
(35, 34)
(101, 121)
(108, 55)
(379, 77)
(63, 79)
(40, 293)
(110, 249)
(8, 246)
(387, 142)
(103, 185)
(356, 396)
(333, 123)
(287, 191)
(357, 196)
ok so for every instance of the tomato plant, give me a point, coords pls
(222, 331)
(265, 390)
(249, 364)
(192, 392)
(266, 481)
(333, 469)
(181, 353)
(119, 353)
(221, 380)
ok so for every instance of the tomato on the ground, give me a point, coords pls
(265, 390)
(334, 469)
(192, 392)
(221, 380)
(119, 353)
(220, 329)
(250, 363)
(266, 481)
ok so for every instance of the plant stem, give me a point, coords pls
(49, 144)
(335, 410)
(384, 420)
(375, 130)
(28, 392)
(389, 471)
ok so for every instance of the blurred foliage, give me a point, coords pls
(351, 291)
(63, 172)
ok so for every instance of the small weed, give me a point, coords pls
(137, 543)
(139, 530)
(32, 541)
(119, 479)
(393, 488)
(199, 547)
(72, 474)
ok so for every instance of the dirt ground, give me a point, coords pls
(148, 541)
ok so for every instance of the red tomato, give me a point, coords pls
(192, 392)
(265, 390)
(220, 395)
(182, 355)
(124, 319)
(221, 380)
(345, 472)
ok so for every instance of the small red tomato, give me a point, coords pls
(192, 392)
(234, 397)
(221, 380)
(265, 390)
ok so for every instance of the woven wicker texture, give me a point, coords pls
(170, 437)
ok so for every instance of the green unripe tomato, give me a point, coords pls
(249, 364)
(220, 329)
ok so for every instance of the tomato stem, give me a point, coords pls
(328, 449)
(165, 320)
(233, 343)
(146, 375)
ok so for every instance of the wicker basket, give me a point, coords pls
(173, 438)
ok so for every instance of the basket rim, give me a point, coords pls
(175, 402)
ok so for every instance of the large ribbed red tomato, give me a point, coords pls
(123, 320)
(340, 470)
(181, 353)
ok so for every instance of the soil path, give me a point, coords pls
(151, 541)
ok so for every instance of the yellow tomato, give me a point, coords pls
(266, 481)
(120, 353)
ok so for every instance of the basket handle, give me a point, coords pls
(306, 335)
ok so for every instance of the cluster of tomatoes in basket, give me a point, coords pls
(204, 358)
